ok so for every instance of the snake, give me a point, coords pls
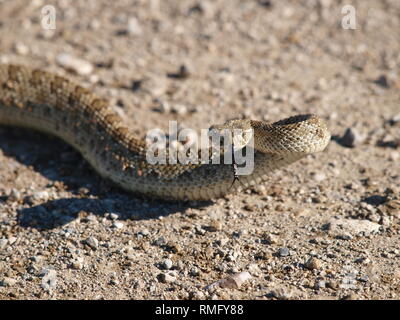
(50, 103)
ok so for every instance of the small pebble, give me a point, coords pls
(332, 284)
(364, 278)
(363, 260)
(272, 239)
(94, 24)
(168, 277)
(348, 228)
(395, 120)
(49, 280)
(15, 195)
(8, 282)
(117, 224)
(36, 259)
(179, 109)
(162, 106)
(283, 252)
(319, 176)
(206, 8)
(383, 82)
(313, 263)
(320, 284)
(134, 27)
(77, 265)
(12, 240)
(194, 272)
(114, 216)
(197, 295)
(394, 156)
(74, 64)
(215, 226)
(254, 269)
(40, 196)
(222, 242)
(231, 282)
(3, 243)
(21, 49)
(351, 138)
(92, 242)
(281, 293)
(167, 264)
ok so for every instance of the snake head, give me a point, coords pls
(238, 132)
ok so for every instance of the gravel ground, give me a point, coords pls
(326, 227)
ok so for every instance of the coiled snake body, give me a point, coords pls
(52, 104)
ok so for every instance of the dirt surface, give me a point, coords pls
(326, 227)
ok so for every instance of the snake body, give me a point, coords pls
(53, 104)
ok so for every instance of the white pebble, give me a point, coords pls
(118, 224)
(319, 176)
(179, 109)
(113, 216)
(394, 156)
(21, 49)
(49, 280)
(69, 62)
(231, 282)
(134, 27)
(167, 264)
(41, 195)
(395, 119)
(3, 243)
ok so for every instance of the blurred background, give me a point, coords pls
(254, 58)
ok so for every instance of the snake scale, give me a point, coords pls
(52, 104)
